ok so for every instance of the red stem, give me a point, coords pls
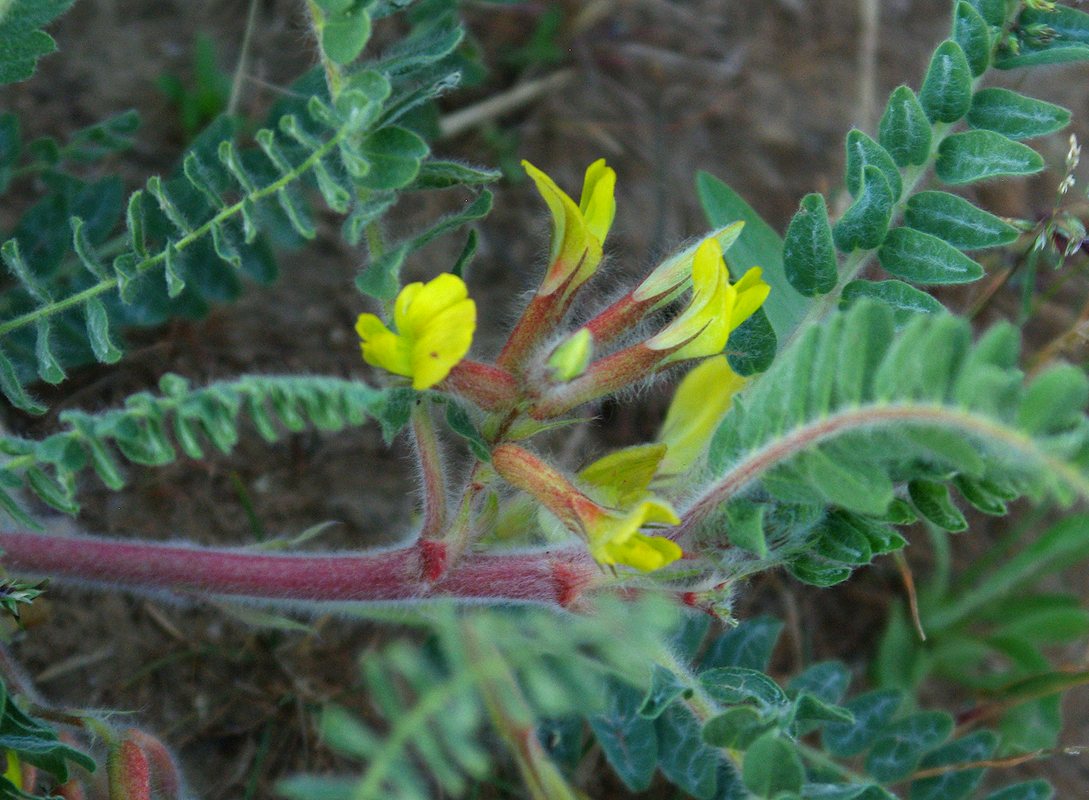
(552, 577)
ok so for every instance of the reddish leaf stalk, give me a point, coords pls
(551, 577)
(539, 319)
(489, 387)
(619, 318)
(604, 377)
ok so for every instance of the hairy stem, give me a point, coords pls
(551, 577)
(743, 473)
(429, 455)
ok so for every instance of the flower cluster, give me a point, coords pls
(540, 376)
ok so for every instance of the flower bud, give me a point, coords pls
(570, 358)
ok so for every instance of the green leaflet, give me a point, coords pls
(752, 345)
(992, 11)
(629, 741)
(736, 727)
(956, 221)
(1014, 115)
(394, 155)
(956, 784)
(683, 757)
(902, 745)
(745, 527)
(862, 151)
(904, 130)
(864, 224)
(872, 712)
(809, 254)
(906, 301)
(931, 499)
(972, 33)
(772, 766)
(922, 258)
(946, 94)
(21, 43)
(978, 155)
(345, 32)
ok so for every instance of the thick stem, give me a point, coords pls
(551, 577)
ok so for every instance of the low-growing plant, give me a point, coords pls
(818, 413)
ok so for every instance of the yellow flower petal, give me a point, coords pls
(704, 324)
(646, 553)
(699, 404)
(621, 478)
(616, 539)
(598, 200)
(430, 300)
(716, 308)
(578, 231)
(674, 275)
(435, 322)
(752, 291)
(383, 348)
(442, 342)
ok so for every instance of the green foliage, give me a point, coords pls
(989, 632)
(864, 224)
(979, 155)
(736, 732)
(207, 96)
(34, 742)
(22, 42)
(956, 222)
(809, 255)
(542, 664)
(905, 131)
(225, 205)
(852, 410)
(925, 259)
(151, 429)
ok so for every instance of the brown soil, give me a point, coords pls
(759, 94)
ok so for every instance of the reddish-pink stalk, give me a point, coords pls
(551, 577)
(539, 319)
(605, 376)
(619, 318)
(491, 388)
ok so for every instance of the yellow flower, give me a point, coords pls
(699, 404)
(578, 231)
(621, 478)
(674, 275)
(615, 538)
(434, 324)
(715, 310)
